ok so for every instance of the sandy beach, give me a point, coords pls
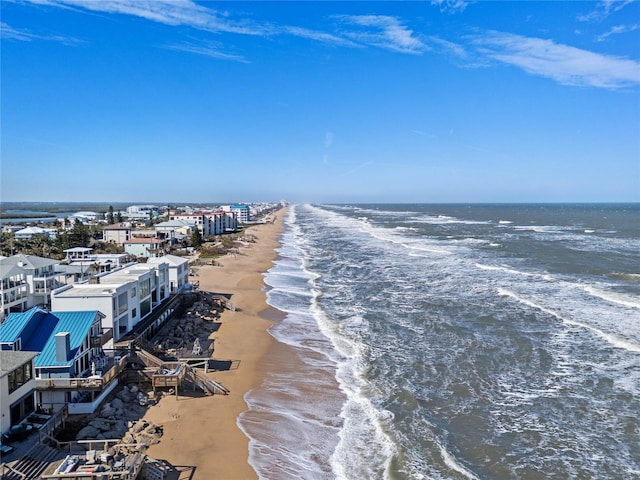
(201, 431)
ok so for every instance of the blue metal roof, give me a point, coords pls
(78, 325)
(33, 327)
(37, 329)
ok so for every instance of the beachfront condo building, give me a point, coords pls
(124, 296)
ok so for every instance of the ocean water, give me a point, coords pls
(453, 342)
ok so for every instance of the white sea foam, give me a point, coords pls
(451, 462)
(627, 300)
(615, 340)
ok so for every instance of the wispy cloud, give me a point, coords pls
(452, 6)
(383, 31)
(564, 64)
(327, 38)
(168, 12)
(328, 139)
(604, 9)
(208, 50)
(617, 30)
(23, 35)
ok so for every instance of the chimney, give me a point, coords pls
(63, 346)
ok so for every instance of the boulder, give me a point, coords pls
(87, 432)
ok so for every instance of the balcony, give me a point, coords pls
(93, 382)
(98, 341)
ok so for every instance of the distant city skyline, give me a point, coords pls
(132, 101)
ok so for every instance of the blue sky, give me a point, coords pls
(441, 101)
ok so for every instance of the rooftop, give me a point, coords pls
(10, 360)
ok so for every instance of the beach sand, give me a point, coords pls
(201, 431)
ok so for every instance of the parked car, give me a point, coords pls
(17, 432)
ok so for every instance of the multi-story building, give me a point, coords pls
(14, 291)
(40, 274)
(145, 247)
(175, 230)
(178, 271)
(142, 212)
(125, 296)
(68, 345)
(117, 233)
(17, 386)
(200, 220)
(242, 212)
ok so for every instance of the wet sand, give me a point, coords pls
(201, 431)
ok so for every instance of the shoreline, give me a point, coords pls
(203, 431)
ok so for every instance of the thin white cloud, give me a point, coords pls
(452, 6)
(318, 36)
(168, 12)
(383, 31)
(328, 139)
(206, 50)
(565, 64)
(23, 35)
(604, 9)
(618, 29)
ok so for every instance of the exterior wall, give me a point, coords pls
(42, 281)
(106, 304)
(14, 294)
(177, 272)
(152, 248)
(201, 221)
(8, 401)
(116, 235)
(124, 296)
(242, 211)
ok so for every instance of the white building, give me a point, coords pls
(117, 233)
(17, 386)
(30, 232)
(125, 296)
(14, 291)
(242, 212)
(178, 271)
(40, 274)
(67, 346)
(145, 247)
(175, 230)
(142, 212)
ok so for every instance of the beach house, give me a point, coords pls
(145, 247)
(14, 291)
(30, 232)
(17, 387)
(175, 230)
(40, 275)
(125, 296)
(69, 362)
(117, 233)
(178, 271)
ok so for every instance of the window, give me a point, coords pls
(133, 293)
(134, 313)
(20, 376)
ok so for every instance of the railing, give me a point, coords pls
(92, 383)
(99, 340)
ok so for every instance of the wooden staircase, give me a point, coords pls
(32, 464)
(205, 383)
